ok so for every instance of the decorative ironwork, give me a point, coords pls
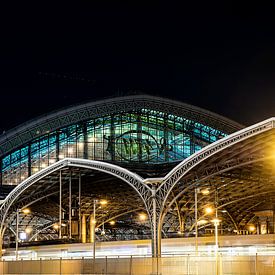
(38, 127)
(131, 178)
(188, 164)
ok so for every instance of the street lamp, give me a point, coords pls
(18, 211)
(208, 210)
(142, 217)
(112, 222)
(95, 202)
(205, 192)
(251, 228)
(216, 223)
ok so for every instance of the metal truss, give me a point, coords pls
(54, 121)
(207, 173)
(132, 179)
(156, 192)
(188, 164)
(42, 228)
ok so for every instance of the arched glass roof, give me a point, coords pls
(137, 130)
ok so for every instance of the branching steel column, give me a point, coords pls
(155, 240)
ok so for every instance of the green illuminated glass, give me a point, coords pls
(146, 136)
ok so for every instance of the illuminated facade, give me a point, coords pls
(140, 136)
(142, 154)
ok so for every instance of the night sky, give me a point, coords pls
(220, 57)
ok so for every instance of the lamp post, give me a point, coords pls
(216, 223)
(204, 192)
(18, 211)
(196, 219)
(94, 221)
(95, 202)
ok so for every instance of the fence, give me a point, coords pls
(180, 265)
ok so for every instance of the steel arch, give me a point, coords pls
(127, 176)
(171, 179)
(37, 127)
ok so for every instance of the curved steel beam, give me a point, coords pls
(172, 178)
(127, 176)
(40, 230)
(120, 215)
(37, 127)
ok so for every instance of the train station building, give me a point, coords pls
(133, 168)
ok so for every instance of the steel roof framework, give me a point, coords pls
(238, 168)
(38, 127)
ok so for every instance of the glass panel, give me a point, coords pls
(147, 136)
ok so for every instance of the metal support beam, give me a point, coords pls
(79, 207)
(93, 232)
(60, 203)
(17, 233)
(92, 229)
(156, 234)
(70, 205)
(196, 218)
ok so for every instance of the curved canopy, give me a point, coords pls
(239, 173)
(40, 126)
(86, 181)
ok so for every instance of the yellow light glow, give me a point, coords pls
(26, 210)
(51, 161)
(142, 217)
(112, 222)
(205, 191)
(103, 202)
(94, 221)
(35, 169)
(55, 226)
(209, 210)
(23, 177)
(61, 156)
(251, 228)
(28, 230)
(43, 165)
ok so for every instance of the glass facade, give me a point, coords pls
(144, 136)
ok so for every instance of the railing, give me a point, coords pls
(187, 264)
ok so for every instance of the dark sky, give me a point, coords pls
(220, 57)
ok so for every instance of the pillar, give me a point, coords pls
(83, 229)
(156, 232)
(92, 228)
(154, 211)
